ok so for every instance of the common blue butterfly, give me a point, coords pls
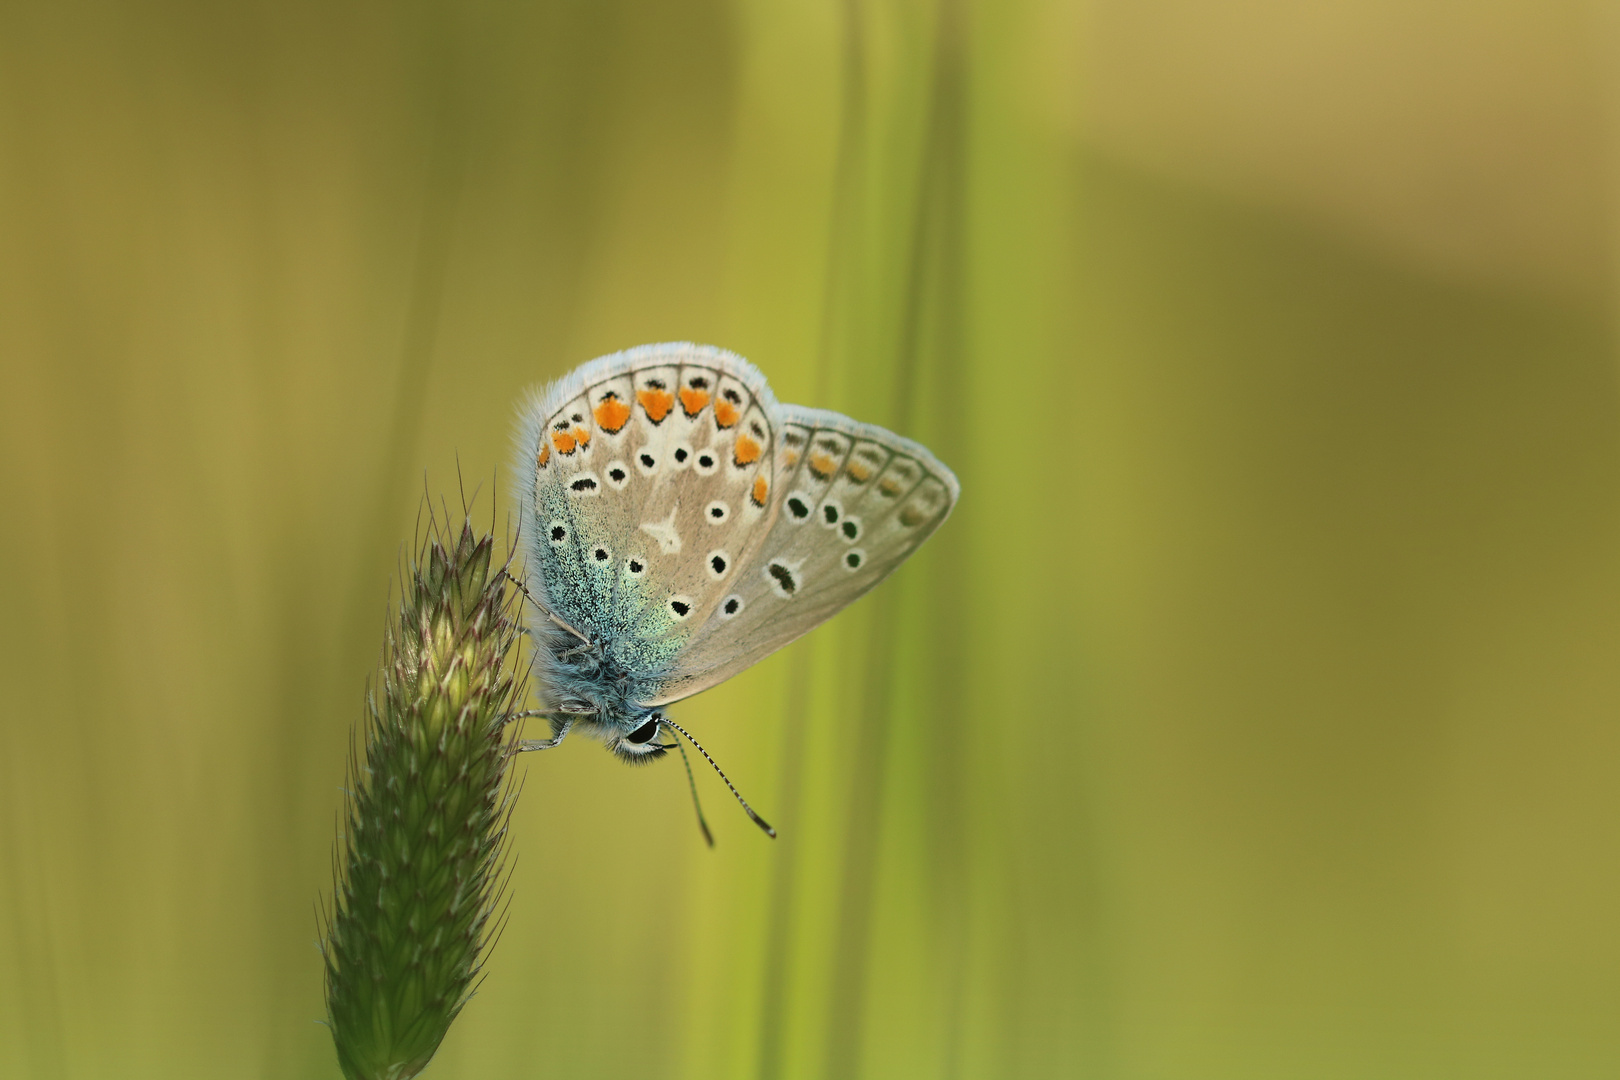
(680, 524)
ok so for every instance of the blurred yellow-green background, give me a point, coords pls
(1255, 715)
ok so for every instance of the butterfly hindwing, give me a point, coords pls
(651, 471)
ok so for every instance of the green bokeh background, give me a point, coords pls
(1255, 715)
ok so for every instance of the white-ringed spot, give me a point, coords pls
(617, 475)
(731, 606)
(718, 564)
(783, 578)
(716, 513)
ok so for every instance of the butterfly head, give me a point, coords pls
(640, 742)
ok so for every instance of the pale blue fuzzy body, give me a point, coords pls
(594, 679)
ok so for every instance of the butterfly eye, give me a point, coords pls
(644, 733)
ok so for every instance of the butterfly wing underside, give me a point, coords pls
(850, 502)
(652, 475)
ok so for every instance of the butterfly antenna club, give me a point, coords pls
(761, 822)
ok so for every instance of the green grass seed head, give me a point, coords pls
(419, 867)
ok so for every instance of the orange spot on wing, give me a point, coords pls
(563, 441)
(890, 487)
(858, 471)
(761, 489)
(544, 456)
(822, 465)
(612, 413)
(582, 436)
(693, 400)
(725, 413)
(657, 403)
(790, 457)
(746, 452)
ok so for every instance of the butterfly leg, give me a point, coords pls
(523, 745)
(577, 650)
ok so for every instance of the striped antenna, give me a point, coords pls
(770, 832)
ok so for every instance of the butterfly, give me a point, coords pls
(679, 524)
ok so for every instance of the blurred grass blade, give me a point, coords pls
(419, 866)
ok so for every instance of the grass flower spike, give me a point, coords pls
(419, 865)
